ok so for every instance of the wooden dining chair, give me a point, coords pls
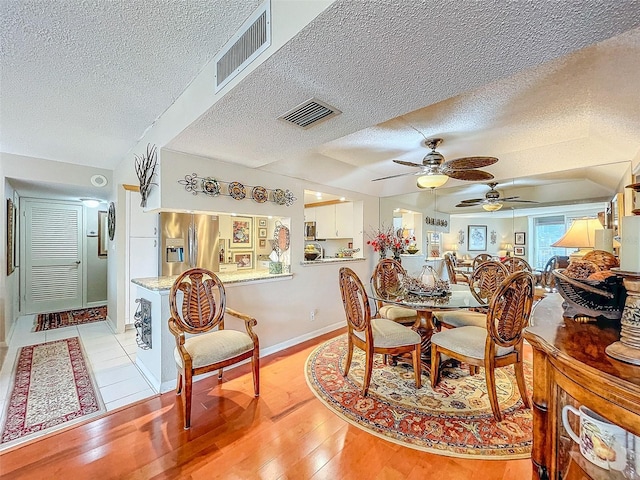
(377, 335)
(387, 278)
(481, 258)
(454, 277)
(497, 345)
(484, 282)
(516, 264)
(200, 311)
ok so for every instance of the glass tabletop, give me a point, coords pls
(459, 297)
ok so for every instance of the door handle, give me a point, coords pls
(77, 262)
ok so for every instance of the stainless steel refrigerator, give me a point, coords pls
(188, 240)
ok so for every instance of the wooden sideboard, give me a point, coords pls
(571, 367)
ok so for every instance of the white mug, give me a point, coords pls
(597, 437)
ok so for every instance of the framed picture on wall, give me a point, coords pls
(477, 238)
(263, 242)
(518, 251)
(243, 259)
(520, 238)
(102, 233)
(262, 222)
(242, 232)
(262, 233)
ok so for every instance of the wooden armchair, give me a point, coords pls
(497, 345)
(481, 258)
(547, 280)
(516, 264)
(378, 335)
(200, 311)
(454, 277)
(485, 281)
(387, 277)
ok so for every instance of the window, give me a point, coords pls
(547, 230)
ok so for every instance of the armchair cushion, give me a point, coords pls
(214, 347)
(389, 334)
(398, 314)
(462, 318)
(468, 341)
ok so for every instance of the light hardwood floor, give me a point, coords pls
(285, 434)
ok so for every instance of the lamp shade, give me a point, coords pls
(581, 234)
(432, 181)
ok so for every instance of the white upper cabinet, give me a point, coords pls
(334, 221)
(310, 214)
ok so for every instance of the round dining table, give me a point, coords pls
(458, 297)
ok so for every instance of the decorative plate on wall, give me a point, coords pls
(279, 196)
(111, 221)
(237, 190)
(211, 187)
(259, 194)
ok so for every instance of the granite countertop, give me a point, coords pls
(324, 261)
(165, 283)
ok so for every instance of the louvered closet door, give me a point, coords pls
(53, 255)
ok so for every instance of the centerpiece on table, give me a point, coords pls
(426, 284)
(386, 239)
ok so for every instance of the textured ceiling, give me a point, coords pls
(541, 85)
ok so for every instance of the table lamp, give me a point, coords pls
(581, 235)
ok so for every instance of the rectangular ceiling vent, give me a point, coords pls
(310, 113)
(253, 38)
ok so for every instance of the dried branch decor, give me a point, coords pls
(146, 169)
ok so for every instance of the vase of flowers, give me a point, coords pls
(381, 240)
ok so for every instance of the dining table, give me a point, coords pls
(457, 297)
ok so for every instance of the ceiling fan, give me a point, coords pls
(492, 200)
(434, 171)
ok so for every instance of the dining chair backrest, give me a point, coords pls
(387, 277)
(486, 279)
(510, 309)
(203, 302)
(516, 264)
(356, 303)
(547, 278)
(450, 264)
(481, 258)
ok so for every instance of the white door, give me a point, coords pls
(53, 248)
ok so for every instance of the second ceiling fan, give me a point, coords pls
(434, 171)
(492, 200)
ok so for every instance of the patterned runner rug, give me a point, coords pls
(454, 420)
(49, 321)
(52, 389)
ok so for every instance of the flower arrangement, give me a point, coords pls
(386, 239)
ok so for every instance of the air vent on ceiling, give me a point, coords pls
(310, 113)
(253, 38)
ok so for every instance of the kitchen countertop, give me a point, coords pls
(324, 261)
(165, 283)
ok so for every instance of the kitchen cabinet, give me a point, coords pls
(334, 221)
(224, 226)
(310, 214)
(141, 258)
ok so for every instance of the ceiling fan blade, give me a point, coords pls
(521, 201)
(508, 199)
(469, 175)
(467, 205)
(394, 176)
(468, 163)
(473, 200)
(408, 164)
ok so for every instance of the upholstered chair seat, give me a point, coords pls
(387, 334)
(461, 318)
(398, 314)
(214, 347)
(467, 341)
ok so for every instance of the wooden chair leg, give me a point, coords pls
(347, 363)
(489, 372)
(435, 365)
(255, 363)
(179, 384)
(417, 366)
(186, 399)
(367, 372)
(522, 386)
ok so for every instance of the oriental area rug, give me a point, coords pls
(454, 420)
(49, 321)
(52, 389)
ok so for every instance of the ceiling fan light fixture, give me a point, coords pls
(492, 207)
(432, 181)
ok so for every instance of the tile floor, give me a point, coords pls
(111, 356)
